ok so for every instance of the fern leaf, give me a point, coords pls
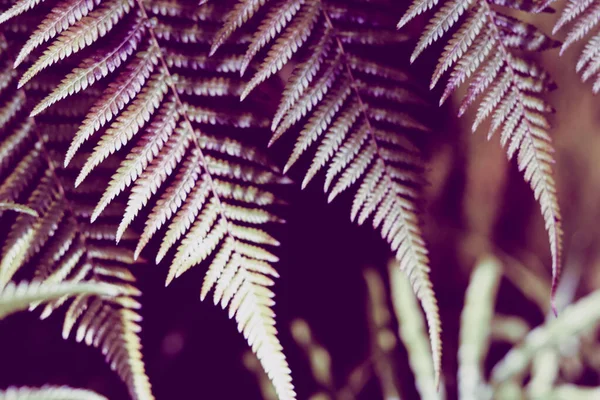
(14, 298)
(303, 76)
(253, 365)
(127, 124)
(412, 332)
(49, 393)
(60, 18)
(156, 135)
(458, 45)
(82, 34)
(115, 97)
(294, 36)
(415, 9)
(441, 22)
(155, 175)
(20, 208)
(68, 258)
(274, 22)
(482, 46)
(171, 200)
(93, 68)
(572, 10)
(221, 191)
(583, 17)
(330, 97)
(18, 8)
(240, 14)
(475, 327)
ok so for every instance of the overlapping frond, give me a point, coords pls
(353, 110)
(583, 17)
(205, 194)
(20, 208)
(55, 245)
(14, 298)
(510, 88)
(49, 393)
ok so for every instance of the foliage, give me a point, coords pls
(480, 326)
(128, 131)
(49, 393)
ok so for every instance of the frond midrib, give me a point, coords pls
(547, 190)
(412, 246)
(278, 378)
(183, 112)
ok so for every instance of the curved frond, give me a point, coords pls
(350, 110)
(14, 298)
(48, 393)
(510, 89)
(65, 254)
(209, 197)
(20, 208)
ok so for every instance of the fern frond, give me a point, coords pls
(330, 98)
(20, 208)
(84, 33)
(510, 89)
(412, 333)
(583, 17)
(18, 8)
(475, 327)
(209, 198)
(95, 67)
(49, 393)
(64, 15)
(67, 258)
(14, 298)
(239, 15)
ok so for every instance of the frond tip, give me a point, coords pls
(510, 89)
(356, 112)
